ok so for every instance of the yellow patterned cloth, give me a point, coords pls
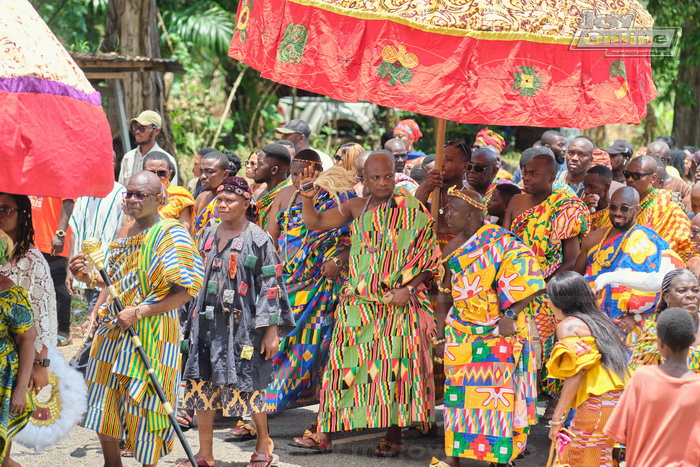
(663, 215)
(121, 400)
(490, 390)
(646, 351)
(263, 204)
(600, 219)
(16, 318)
(573, 354)
(179, 198)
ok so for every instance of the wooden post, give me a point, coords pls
(439, 150)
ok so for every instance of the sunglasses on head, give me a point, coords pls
(635, 175)
(135, 127)
(459, 145)
(160, 173)
(137, 196)
(476, 168)
(623, 208)
(338, 157)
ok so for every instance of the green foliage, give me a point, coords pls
(78, 24)
(205, 26)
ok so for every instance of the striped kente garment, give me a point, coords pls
(299, 364)
(263, 204)
(380, 370)
(121, 400)
(663, 215)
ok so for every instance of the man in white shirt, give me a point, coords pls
(298, 132)
(145, 128)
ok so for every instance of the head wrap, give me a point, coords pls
(237, 185)
(452, 191)
(488, 137)
(411, 128)
(600, 157)
(6, 248)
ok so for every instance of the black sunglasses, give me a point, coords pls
(338, 157)
(137, 196)
(623, 208)
(635, 175)
(136, 127)
(476, 168)
(160, 173)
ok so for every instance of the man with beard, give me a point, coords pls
(146, 127)
(579, 156)
(456, 157)
(555, 142)
(272, 170)
(626, 263)
(596, 195)
(658, 209)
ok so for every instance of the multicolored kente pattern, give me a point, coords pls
(262, 205)
(663, 215)
(380, 370)
(542, 228)
(404, 184)
(646, 351)
(121, 401)
(179, 198)
(490, 390)
(643, 252)
(303, 354)
(600, 219)
(207, 218)
(16, 318)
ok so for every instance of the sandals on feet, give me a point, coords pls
(183, 419)
(271, 459)
(242, 432)
(200, 462)
(387, 448)
(320, 446)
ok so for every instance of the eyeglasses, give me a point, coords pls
(160, 173)
(338, 157)
(623, 208)
(460, 145)
(5, 210)
(249, 163)
(135, 127)
(476, 168)
(137, 196)
(635, 175)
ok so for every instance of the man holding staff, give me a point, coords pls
(155, 268)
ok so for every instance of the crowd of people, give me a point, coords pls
(570, 279)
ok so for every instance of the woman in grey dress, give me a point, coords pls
(240, 314)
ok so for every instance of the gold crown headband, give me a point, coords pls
(452, 191)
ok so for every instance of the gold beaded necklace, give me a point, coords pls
(598, 257)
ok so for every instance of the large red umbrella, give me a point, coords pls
(501, 63)
(54, 136)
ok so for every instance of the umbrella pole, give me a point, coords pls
(439, 149)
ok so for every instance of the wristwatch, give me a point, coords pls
(337, 262)
(510, 314)
(411, 289)
(60, 233)
(44, 362)
(637, 317)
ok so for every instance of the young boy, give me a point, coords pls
(658, 416)
(500, 199)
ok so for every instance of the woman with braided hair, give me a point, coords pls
(679, 289)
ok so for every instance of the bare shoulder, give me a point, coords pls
(284, 196)
(356, 205)
(572, 327)
(594, 238)
(452, 245)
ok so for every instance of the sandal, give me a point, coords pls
(387, 448)
(321, 446)
(63, 341)
(242, 432)
(417, 432)
(183, 419)
(271, 459)
(198, 459)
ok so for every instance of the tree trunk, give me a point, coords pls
(685, 108)
(132, 29)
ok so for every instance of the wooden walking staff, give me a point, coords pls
(93, 249)
(439, 151)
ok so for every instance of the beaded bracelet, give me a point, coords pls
(446, 290)
(438, 341)
(93, 281)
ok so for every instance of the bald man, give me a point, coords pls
(579, 156)
(485, 311)
(658, 210)
(550, 222)
(679, 189)
(360, 160)
(626, 263)
(481, 172)
(384, 316)
(661, 150)
(118, 404)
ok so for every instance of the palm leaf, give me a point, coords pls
(205, 26)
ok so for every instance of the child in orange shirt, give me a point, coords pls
(658, 416)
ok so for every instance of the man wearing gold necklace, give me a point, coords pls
(487, 279)
(626, 262)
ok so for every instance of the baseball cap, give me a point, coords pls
(620, 146)
(295, 126)
(148, 117)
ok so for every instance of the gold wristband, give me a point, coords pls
(447, 290)
(137, 312)
(93, 279)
